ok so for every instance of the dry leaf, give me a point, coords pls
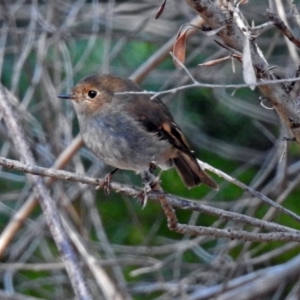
(248, 70)
(161, 9)
(214, 62)
(232, 64)
(179, 48)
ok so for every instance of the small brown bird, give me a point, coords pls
(132, 131)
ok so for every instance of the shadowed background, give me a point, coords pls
(46, 48)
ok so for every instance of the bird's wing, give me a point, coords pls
(155, 117)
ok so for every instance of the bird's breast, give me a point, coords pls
(121, 141)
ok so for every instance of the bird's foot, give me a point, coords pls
(142, 196)
(151, 183)
(106, 182)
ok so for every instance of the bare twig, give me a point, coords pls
(10, 230)
(284, 233)
(232, 36)
(210, 85)
(48, 204)
(282, 27)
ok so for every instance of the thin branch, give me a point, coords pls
(216, 16)
(253, 285)
(48, 205)
(213, 86)
(167, 200)
(14, 225)
(250, 190)
(282, 27)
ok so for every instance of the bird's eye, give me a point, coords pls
(92, 94)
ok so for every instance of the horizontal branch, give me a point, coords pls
(212, 85)
(237, 234)
(131, 191)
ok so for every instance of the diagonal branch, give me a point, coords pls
(282, 27)
(233, 36)
(48, 205)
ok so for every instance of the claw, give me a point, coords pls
(151, 183)
(106, 182)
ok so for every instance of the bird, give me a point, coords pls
(128, 130)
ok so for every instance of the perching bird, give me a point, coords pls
(132, 131)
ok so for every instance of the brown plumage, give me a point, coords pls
(129, 131)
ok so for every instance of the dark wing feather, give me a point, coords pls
(155, 117)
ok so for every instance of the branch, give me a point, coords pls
(282, 27)
(252, 286)
(48, 205)
(222, 233)
(213, 86)
(279, 232)
(234, 37)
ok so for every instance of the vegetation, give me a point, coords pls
(241, 242)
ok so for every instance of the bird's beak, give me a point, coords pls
(71, 97)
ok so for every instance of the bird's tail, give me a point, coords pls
(191, 173)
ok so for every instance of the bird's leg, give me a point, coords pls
(143, 194)
(152, 167)
(151, 183)
(154, 182)
(107, 180)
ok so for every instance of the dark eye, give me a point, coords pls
(92, 94)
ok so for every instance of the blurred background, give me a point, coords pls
(48, 46)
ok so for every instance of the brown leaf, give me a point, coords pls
(161, 9)
(179, 48)
(214, 61)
